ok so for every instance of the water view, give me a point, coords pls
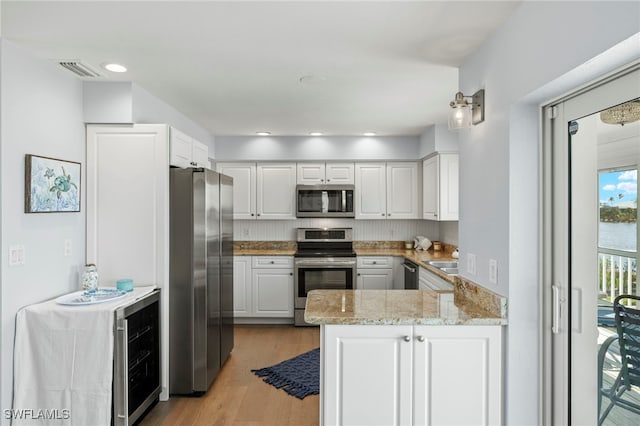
(619, 236)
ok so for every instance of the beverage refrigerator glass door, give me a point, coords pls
(325, 201)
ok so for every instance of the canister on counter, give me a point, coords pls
(437, 246)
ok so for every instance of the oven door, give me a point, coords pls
(322, 273)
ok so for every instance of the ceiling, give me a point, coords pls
(234, 68)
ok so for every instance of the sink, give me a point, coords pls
(441, 264)
(449, 271)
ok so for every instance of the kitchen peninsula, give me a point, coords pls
(402, 357)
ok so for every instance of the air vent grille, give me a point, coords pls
(79, 68)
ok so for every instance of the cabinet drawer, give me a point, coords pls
(432, 281)
(272, 262)
(375, 262)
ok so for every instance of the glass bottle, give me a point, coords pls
(90, 277)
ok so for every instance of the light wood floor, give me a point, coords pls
(239, 397)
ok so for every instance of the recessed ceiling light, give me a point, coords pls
(263, 133)
(115, 67)
(368, 134)
(315, 134)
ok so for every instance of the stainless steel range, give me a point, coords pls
(324, 260)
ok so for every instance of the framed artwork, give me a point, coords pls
(51, 185)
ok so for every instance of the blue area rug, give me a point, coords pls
(298, 376)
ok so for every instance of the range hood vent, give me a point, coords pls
(79, 69)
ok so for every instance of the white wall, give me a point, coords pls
(292, 148)
(41, 113)
(437, 138)
(530, 60)
(127, 102)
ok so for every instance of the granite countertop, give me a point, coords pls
(288, 248)
(395, 307)
(419, 257)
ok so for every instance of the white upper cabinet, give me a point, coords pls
(186, 151)
(325, 173)
(244, 188)
(440, 187)
(387, 190)
(402, 191)
(340, 173)
(370, 192)
(263, 190)
(276, 191)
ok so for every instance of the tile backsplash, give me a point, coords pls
(363, 230)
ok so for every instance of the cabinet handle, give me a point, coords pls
(407, 338)
(258, 214)
(389, 214)
(272, 262)
(420, 338)
(291, 273)
(374, 262)
(358, 273)
(382, 214)
(252, 214)
(328, 180)
(321, 180)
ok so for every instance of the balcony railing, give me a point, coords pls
(618, 273)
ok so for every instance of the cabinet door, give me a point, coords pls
(132, 243)
(430, 185)
(448, 188)
(244, 188)
(371, 192)
(181, 146)
(340, 173)
(363, 389)
(402, 191)
(374, 279)
(200, 154)
(458, 375)
(310, 173)
(242, 286)
(276, 187)
(273, 293)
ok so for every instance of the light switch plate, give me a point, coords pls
(471, 263)
(16, 255)
(493, 271)
(67, 247)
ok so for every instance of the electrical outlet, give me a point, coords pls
(245, 232)
(493, 271)
(471, 263)
(67, 247)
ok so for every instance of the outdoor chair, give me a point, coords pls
(628, 327)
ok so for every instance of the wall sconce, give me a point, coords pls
(465, 113)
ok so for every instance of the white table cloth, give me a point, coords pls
(63, 362)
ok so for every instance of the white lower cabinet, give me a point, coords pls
(374, 273)
(411, 375)
(242, 305)
(263, 287)
(273, 292)
(430, 281)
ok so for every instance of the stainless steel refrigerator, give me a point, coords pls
(201, 278)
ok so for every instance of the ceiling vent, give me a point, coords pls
(79, 69)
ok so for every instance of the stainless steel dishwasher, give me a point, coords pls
(410, 275)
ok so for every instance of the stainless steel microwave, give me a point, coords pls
(325, 201)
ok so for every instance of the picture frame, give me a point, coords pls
(51, 185)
